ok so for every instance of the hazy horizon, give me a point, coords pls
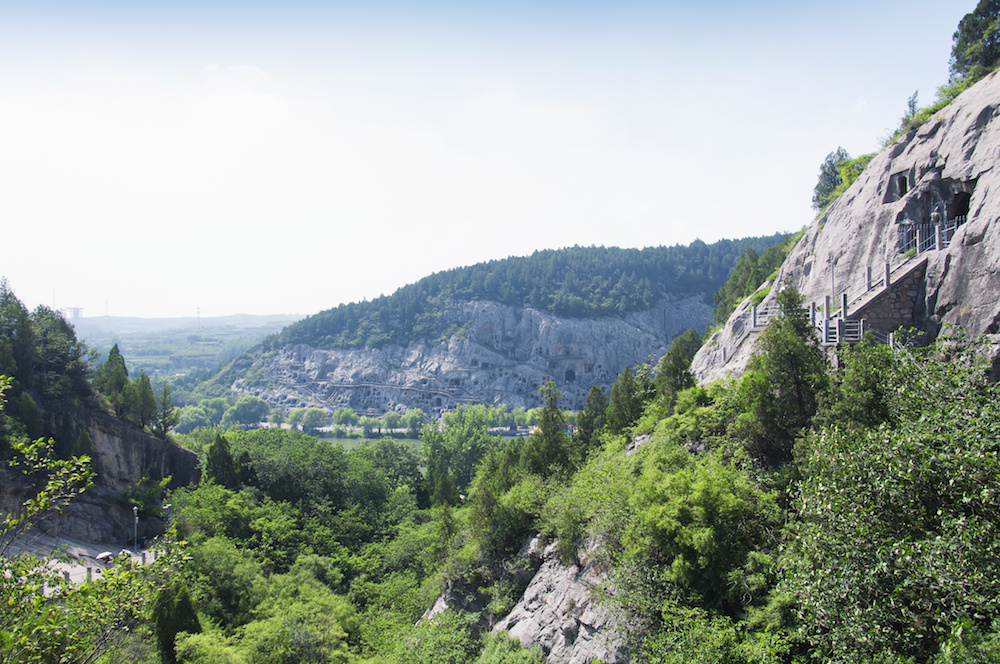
(165, 159)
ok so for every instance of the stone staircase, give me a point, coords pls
(872, 303)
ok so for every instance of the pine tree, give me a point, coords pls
(145, 405)
(592, 419)
(166, 417)
(219, 464)
(112, 378)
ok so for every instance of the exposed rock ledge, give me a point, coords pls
(123, 455)
(558, 611)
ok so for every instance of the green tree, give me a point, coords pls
(895, 546)
(548, 450)
(463, 439)
(219, 464)
(591, 420)
(166, 417)
(248, 411)
(314, 418)
(369, 424)
(62, 364)
(345, 417)
(829, 179)
(673, 375)
(295, 416)
(414, 420)
(112, 378)
(860, 394)
(173, 613)
(190, 418)
(391, 420)
(779, 393)
(17, 343)
(975, 49)
(84, 444)
(214, 409)
(143, 409)
(628, 398)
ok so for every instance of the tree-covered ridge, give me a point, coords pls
(578, 282)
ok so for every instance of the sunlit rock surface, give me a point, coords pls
(934, 195)
(500, 355)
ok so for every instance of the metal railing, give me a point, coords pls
(832, 324)
(928, 237)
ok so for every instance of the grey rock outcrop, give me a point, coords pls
(123, 456)
(499, 355)
(935, 196)
(560, 614)
(558, 610)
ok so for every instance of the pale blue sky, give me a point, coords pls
(260, 157)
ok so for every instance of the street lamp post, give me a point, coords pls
(135, 527)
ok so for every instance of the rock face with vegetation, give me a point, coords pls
(560, 613)
(124, 458)
(495, 332)
(501, 354)
(926, 210)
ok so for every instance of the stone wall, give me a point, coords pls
(895, 307)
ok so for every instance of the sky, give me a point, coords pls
(163, 159)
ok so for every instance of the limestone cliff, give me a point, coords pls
(500, 355)
(123, 455)
(913, 242)
(560, 612)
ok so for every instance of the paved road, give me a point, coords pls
(70, 556)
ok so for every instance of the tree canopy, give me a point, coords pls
(975, 49)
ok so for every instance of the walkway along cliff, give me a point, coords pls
(912, 243)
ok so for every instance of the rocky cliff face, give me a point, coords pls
(500, 355)
(123, 455)
(930, 202)
(560, 613)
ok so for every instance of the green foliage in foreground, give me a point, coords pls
(975, 50)
(800, 513)
(45, 617)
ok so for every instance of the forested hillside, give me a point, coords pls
(578, 282)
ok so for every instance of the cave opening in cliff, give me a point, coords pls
(570, 376)
(960, 208)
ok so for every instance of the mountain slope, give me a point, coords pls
(494, 332)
